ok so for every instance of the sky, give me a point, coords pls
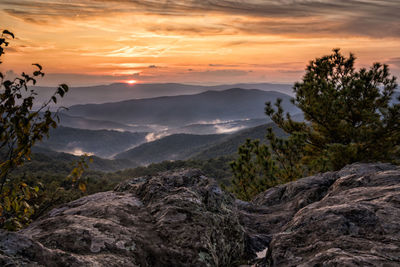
(194, 41)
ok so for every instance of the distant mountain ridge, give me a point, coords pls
(230, 145)
(134, 149)
(231, 104)
(186, 146)
(90, 124)
(173, 147)
(102, 143)
(120, 91)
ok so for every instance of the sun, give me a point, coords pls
(131, 81)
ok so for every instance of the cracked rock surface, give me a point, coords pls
(174, 219)
(346, 218)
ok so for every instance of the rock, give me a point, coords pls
(174, 219)
(271, 210)
(346, 218)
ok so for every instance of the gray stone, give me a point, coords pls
(174, 219)
(346, 218)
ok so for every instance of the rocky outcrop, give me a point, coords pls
(345, 218)
(175, 219)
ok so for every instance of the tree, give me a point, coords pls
(20, 128)
(350, 116)
(253, 170)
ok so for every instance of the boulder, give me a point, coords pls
(346, 218)
(174, 219)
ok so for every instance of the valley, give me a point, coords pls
(144, 131)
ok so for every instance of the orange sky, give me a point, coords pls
(207, 42)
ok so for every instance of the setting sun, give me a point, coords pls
(131, 82)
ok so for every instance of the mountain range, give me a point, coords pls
(178, 111)
(211, 123)
(135, 149)
(121, 91)
(173, 147)
(102, 143)
(90, 124)
(186, 146)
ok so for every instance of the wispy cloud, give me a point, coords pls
(219, 73)
(377, 18)
(191, 41)
(394, 61)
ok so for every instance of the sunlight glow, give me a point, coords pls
(250, 41)
(131, 82)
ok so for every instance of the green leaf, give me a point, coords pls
(7, 203)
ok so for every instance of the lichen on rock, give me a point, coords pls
(173, 219)
(346, 218)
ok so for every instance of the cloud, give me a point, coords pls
(26, 48)
(76, 79)
(292, 71)
(224, 65)
(313, 17)
(394, 61)
(219, 73)
(173, 75)
(210, 41)
(155, 136)
(271, 8)
(220, 129)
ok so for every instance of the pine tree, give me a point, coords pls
(350, 116)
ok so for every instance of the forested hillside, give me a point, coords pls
(173, 147)
(230, 145)
(103, 143)
(173, 111)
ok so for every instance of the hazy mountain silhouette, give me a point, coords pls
(207, 107)
(90, 124)
(230, 144)
(173, 147)
(121, 91)
(223, 127)
(185, 146)
(47, 160)
(102, 143)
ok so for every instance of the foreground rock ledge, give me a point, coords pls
(175, 219)
(345, 218)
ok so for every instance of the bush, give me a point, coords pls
(20, 128)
